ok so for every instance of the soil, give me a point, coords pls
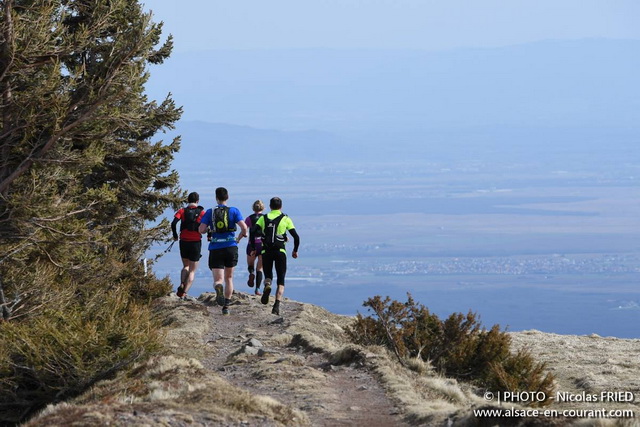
(330, 395)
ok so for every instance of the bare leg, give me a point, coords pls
(184, 273)
(228, 281)
(218, 279)
(193, 266)
(218, 276)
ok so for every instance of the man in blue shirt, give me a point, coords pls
(223, 248)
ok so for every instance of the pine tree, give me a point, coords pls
(80, 175)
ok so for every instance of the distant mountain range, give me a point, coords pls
(553, 84)
(226, 146)
(222, 145)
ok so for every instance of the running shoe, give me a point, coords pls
(180, 291)
(276, 309)
(225, 310)
(252, 278)
(257, 292)
(219, 294)
(265, 295)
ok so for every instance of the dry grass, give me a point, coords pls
(176, 389)
(320, 329)
(171, 389)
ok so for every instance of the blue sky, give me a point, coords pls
(391, 24)
(256, 63)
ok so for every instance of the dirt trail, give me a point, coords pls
(293, 374)
(254, 368)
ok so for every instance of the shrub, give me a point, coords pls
(68, 335)
(458, 346)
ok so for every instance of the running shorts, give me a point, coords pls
(191, 250)
(223, 258)
(258, 248)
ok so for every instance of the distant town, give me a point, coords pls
(498, 265)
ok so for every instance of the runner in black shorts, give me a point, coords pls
(223, 257)
(190, 241)
(223, 248)
(191, 250)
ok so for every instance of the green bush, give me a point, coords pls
(458, 346)
(67, 335)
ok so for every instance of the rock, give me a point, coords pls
(251, 351)
(262, 352)
(254, 343)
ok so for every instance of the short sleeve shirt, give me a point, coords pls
(222, 240)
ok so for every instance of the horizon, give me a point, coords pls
(577, 83)
(507, 141)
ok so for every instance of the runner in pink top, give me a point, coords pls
(255, 271)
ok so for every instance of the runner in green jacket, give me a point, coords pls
(273, 228)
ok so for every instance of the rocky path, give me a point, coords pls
(254, 368)
(252, 349)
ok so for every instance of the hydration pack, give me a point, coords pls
(190, 219)
(270, 238)
(253, 228)
(221, 220)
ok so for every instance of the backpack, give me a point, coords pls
(221, 220)
(190, 218)
(253, 219)
(271, 240)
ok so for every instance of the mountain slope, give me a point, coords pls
(253, 368)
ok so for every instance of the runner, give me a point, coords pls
(254, 248)
(223, 248)
(190, 241)
(273, 228)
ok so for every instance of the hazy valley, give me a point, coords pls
(540, 236)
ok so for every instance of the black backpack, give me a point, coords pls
(253, 219)
(271, 240)
(190, 218)
(221, 220)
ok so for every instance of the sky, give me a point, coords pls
(225, 79)
(389, 24)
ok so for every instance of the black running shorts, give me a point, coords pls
(191, 250)
(223, 258)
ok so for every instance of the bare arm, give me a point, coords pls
(202, 228)
(243, 230)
